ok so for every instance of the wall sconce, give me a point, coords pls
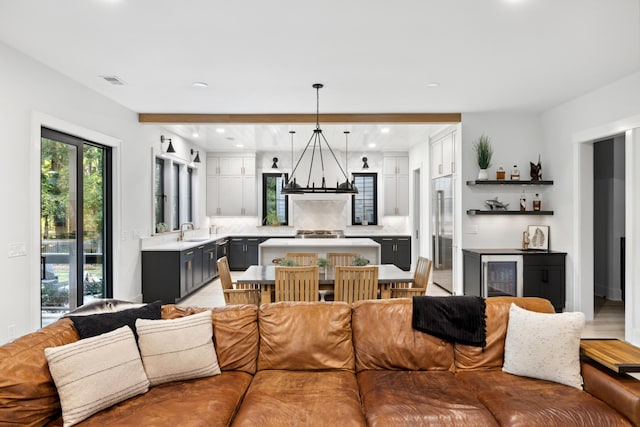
(170, 148)
(365, 165)
(197, 158)
(275, 163)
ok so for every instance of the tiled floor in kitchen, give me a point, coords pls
(608, 319)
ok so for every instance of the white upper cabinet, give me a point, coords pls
(443, 156)
(396, 185)
(231, 186)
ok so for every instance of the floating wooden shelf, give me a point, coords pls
(498, 212)
(508, 182)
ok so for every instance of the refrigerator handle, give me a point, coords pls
(439, 214)
(483, 278)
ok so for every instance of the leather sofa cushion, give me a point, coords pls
(497, 311)
(235, 334)
(302, 398)
(521, 401)
(27, 393)
(210, 401)
(384, 339)
(301, 336)
(623, 394)
(419, 398)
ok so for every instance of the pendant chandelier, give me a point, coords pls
(317, 138)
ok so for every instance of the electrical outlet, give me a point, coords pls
(17, 249)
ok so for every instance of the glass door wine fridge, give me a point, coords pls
(501, 275)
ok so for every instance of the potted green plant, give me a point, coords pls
(360, 261)
(288, 262)
(484, 152)
(272, 219)
(322, 264)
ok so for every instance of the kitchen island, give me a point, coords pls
(277, 248)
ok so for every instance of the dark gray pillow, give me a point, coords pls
(97, 324)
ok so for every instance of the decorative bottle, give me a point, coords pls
(523, 202)
(500, 173)
(536, 203)
(515, 173)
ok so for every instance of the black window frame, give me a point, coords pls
(175, 183)
(190, 178)
(161, 195)
(360, 194)
(264, 198)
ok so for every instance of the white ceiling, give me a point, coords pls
(374, 56)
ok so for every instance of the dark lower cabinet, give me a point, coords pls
(170, 276)
(393, 250)
(544, 276)
(243, 252)
(209, 266)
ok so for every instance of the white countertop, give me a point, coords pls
(189, 243)
(279, 242)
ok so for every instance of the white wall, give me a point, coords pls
(516, 140)
(568, 130)
(31, 92)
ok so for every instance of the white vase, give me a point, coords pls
(483, 175)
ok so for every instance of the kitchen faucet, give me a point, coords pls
(189, 225)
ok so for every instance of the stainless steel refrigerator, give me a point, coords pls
(442, 232)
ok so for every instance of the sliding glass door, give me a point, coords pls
(75, 223)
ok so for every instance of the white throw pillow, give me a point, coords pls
(95, 373)
(177, 349)
(544, 346)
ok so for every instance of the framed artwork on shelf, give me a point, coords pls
(538, 237)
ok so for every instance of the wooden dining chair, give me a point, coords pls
(297, 283)
(235, 293)
(356, 283)
(420, 281)
(303, 259)
(341, 258)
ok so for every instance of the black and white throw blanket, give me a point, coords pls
(459, 319)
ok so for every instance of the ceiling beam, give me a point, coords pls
(414, 118)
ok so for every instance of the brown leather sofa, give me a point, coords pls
(316, 364)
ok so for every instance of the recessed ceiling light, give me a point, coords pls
(200, 84)
(385, 130)
(372, 144)
(433, 84)
(239, 145)
(195, 134)
(220, 130)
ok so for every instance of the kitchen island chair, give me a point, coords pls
(297, 283)
(356, 283)
(235, 293)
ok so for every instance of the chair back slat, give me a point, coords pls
(356, 283)
(303, 259)
(297, 283)
(421, 275)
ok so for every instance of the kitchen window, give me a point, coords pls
(364, 205)
(175, 199)
(275, 205)
(160, 196)
(190, 178)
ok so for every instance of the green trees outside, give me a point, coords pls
(57, 211)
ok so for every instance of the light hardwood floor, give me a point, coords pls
(608, 315)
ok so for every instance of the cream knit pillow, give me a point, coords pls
(177, 349)
(95, 373)
(544, 346)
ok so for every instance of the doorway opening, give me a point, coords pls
(609, 229)
(75, 223)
